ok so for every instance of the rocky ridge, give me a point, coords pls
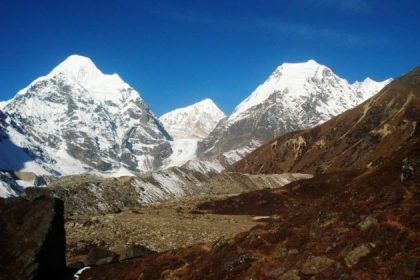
(95, 195)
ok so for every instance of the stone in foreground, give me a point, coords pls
(32, 238)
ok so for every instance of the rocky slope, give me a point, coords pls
(192, 122)
(92, 195)
(359, 138)
(159, 226)
(295, 96)
(76, 120)
(359, 223)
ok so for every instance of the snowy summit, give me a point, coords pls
(77, 119)
(193, 122)
(295, 96)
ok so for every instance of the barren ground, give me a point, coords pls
(160, 227)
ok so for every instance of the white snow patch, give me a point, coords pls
(3, 104)
(183, 150)
(204, 166)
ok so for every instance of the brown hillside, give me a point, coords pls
(341, 225)
(359, 138)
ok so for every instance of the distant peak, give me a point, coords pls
(79, 66)
(297, 69)
(309, 66)
(205, 105)
(369, 80)
(206, 101)
(312, 61)
(78, 58)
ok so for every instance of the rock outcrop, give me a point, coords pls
(99, 256)
(32, 239)
(136, 251)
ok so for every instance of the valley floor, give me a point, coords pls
(160, 227)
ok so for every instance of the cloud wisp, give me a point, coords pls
(315, 33)
(356, 6)
(302, 31)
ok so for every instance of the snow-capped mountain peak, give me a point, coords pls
(77, 119)
(206, 103)
(194, 121)
(295, 96)
(369, 87)
(292, 77)
(80, 71)
(81, 67)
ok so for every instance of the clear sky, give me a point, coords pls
(176, 53)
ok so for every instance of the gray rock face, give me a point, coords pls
(32, 239)
(77, 119)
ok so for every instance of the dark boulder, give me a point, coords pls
(136, 251)
(407, 170)
(32, 238)
(99, 256)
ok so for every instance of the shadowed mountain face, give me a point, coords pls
(359, 138)
(8, 147)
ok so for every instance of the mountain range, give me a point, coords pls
(336, 197)
(77, 120)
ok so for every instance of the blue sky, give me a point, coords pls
(178, 52)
